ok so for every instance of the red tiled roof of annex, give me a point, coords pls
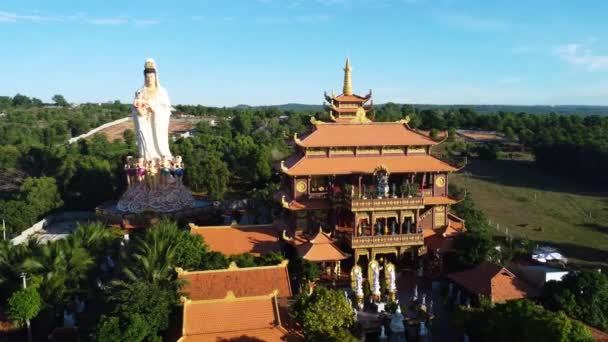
(243, 282)
(442, 240)
(495, 282)
(232, 240)
(232, 319)
(370, 134)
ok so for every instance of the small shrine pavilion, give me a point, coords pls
(320, 249)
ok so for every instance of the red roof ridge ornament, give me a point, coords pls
(314, 121)
(284, 202)
(405, 120)
(283, 167)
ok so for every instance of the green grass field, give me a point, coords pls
(534, 204)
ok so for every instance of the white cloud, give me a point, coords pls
(467, 21)
(330, 2)
(145, 22)
(581, 55)
(108, 21)
(11, 17)
(301, 19)
(509, 80)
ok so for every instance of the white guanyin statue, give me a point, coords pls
(155, 180)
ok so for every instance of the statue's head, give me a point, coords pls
(150, 73)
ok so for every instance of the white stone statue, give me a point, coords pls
(151, 113)
(158, 173)
(392, 286)
(359, 282)
(376, 287)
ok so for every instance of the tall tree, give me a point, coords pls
(60, 100)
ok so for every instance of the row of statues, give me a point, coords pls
(383, 229)
(164, 171)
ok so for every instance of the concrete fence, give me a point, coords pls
(52, 219)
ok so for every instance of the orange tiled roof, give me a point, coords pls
(370, 134)
(320, 248)
(598, 335)
(234, 319)
(349, 109)
(493, 281)
(354, 165)
(231, 240)
(442, 240)
(433, 200)
(243, 282)
(351, 98)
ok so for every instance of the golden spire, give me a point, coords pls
(348, 88)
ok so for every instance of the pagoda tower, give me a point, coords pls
(348, 107)
(373, 185)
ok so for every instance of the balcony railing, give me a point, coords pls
(387, 240)
(386, 203)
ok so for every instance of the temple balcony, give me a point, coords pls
(392, 240)
(355, 203)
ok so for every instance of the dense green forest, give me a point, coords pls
(482, 109)
(41, 172)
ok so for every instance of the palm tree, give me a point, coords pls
(14, 260)
(94, 237)
(151, 257)
(60, 270)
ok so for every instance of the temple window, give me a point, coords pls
(319, 184)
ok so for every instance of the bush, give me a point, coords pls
(24, 304)
(324, 313)
(583, 296)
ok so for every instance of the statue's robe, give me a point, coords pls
(152, 131)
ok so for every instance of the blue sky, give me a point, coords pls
(258, 52)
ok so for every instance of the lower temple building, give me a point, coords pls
(240, 304)
(374, 186)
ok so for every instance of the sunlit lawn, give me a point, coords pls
(533, 204)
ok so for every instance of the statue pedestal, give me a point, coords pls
(109, 213)
(164, 199)
(141, 207)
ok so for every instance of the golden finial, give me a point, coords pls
(233, 266)
(295, 138)
(150, 64)
(283, 167)
(284, 203)
(285, 237)
(348, 88)
(179, 270)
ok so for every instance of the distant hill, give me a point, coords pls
(482, 109)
